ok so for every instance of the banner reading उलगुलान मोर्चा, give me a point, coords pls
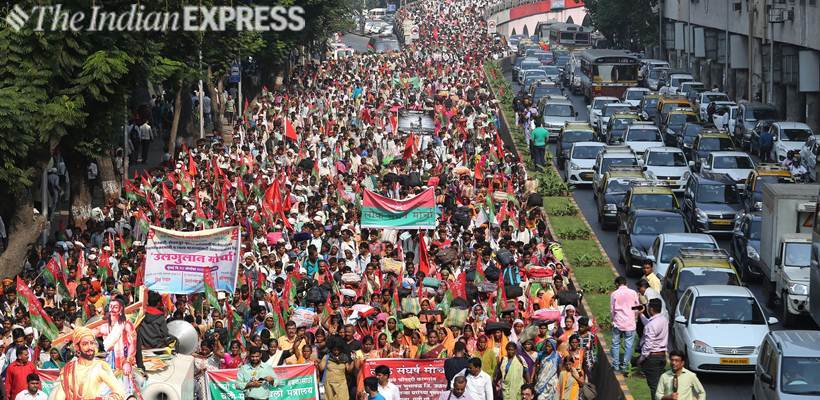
(175, 261)
(296, 382)
(417, 212)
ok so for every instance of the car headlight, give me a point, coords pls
(573, 165)
(758, 205)
(798, 289)
(701, 216)
(610, 207)
(752, 253)
(702, 347)
(685, 176)
(636, 252)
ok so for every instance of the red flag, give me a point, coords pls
(424, 261)
(290, 131)
(191, 165)
(409, 146)
(168, 198)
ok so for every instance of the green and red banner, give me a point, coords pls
(48, 379)
(416, 379)
(418, 212)
(39, 319)
(296, 382)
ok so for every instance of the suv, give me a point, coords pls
(647, 195)
(610, 156)
(736, 164)
(557, 111)
(708, 141)
(667, 246)
(696, 267)
(616, 182)
(613, 132)
(746, 246)
(666, 164)
(595, 108)
(711, 202)
(633, 96)
(580, 162)
(788, 366)
(571, 132)
(675, 81)
(543, 88)
(788, 136)
(641, 136)
(764, 173)
(673, 123)
(637, 232)
(748, 115)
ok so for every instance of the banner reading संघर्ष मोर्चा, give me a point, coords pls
(296, 382)
(175, 261)
(417, 212)
(416, 379)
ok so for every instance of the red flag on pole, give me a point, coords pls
(409, 146)
(424, 261)
(290, 131)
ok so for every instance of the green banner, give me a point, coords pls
(297, 382)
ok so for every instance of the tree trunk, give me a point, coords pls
(108, 178)
(80, 196)
(25, 228)
(172, 137)
(215, 101)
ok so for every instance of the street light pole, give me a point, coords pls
(660, 29)
(201, 100)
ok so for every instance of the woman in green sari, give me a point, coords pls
(511, 374)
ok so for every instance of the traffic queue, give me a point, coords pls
(705, 193)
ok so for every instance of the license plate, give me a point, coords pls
(722, 222)
(734, 361)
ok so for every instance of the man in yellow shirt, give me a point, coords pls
(649, 275)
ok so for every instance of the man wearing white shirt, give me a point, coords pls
(479, 383)
(33, 391)
(387, 389)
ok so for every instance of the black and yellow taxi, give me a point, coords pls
(764, 173)
(647, 195)
(611, 192)
(693, 267)
(572, 132)
(672, 124)
(613, 132)
(708, 141)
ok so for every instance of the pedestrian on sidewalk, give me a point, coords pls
(654, 345)
(623, 304)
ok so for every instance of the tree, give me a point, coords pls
(629, 24)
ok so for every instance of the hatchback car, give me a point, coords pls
(641, 136)
(609, 156)
(668, 245)
(638, 231)
(613, 189)
(571, 132)
(746, 246)
(711, 202)
(736, 164)
(788, 136)
(666, 164)
(633, 96)
(720, 328)
(580, 162)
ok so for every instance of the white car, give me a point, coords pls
(675, 80)
(666, 164)
(580, 162)
(668, 245)
(633, 96)
(736, 164)
(789, 136)
(642, 136)
(726, 112)
(704, 98)
(808, 153)
(597, 105)
(720, 328)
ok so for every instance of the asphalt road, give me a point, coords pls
(717, 386)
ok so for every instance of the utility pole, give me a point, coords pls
(239, 91)
(201, 97)
(770, 25)
(660, 29)
(125, 140)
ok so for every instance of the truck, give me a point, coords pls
(785, 246)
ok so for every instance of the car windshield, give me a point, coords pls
(771, 179)
(794, 135)
(643, 135)
(653, 201)
(615, 73)
(541, 91)
(561, 61)
(715, 144)
(570, 137)
(610, 110)
(585, 152)
(671, 106)
(708, 98)
(733, 162)
(676, 81)
(635, 94)
(599, 104)
(717, 194)
(550, 70)
(530, 64)
(621, 123)
(558, 110)
(658, 73)
(649, 104)
(607, 162)
(759, 114)
(680, 119)
(666, 159)
(725, 310)
(534, 72)
(692, 130)
(658, 225)
(797, 255)
(671, 250)
(693, 88)
(800, 375)
(617, 186)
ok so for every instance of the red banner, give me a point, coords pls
(416, 379)
(426, 199)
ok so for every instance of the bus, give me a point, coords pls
(607, 72)
(814, 267)
(570, 36)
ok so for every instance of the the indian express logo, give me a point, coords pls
(139, 19)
